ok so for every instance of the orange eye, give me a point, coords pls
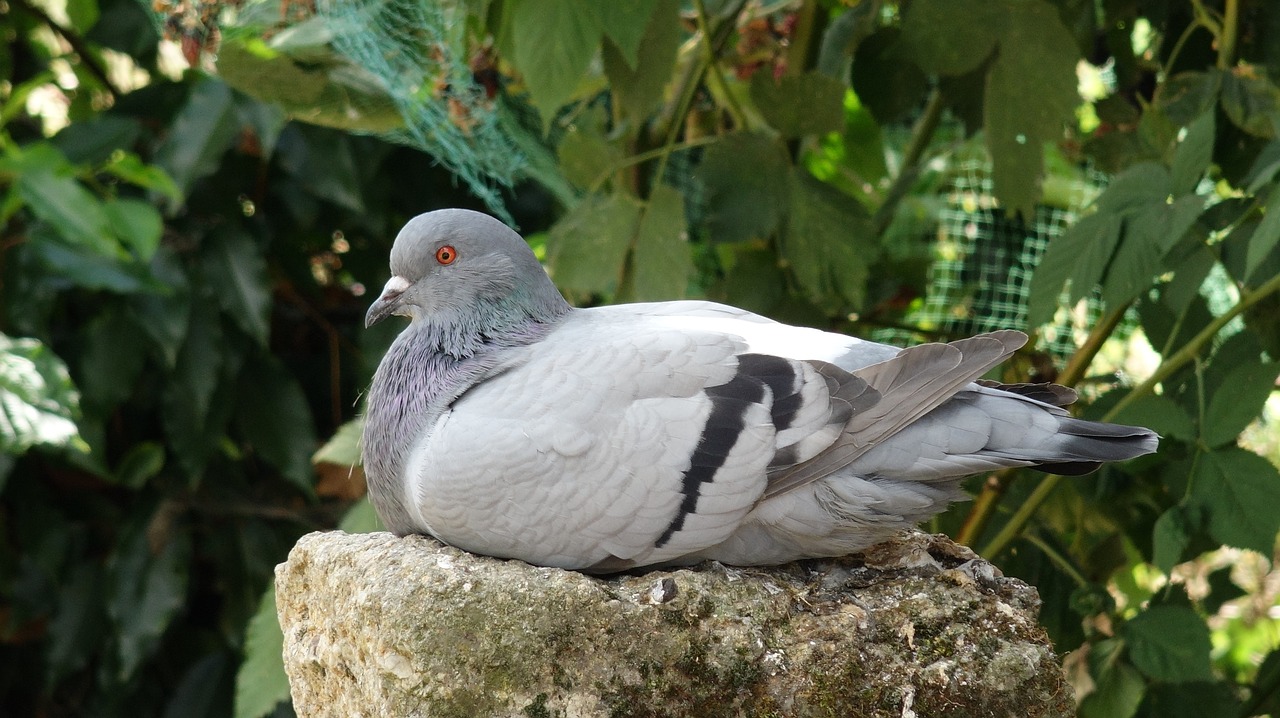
(446, 254)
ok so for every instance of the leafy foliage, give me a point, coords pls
(184, 266)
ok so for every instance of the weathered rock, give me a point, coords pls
(376, 625)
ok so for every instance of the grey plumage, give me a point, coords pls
(505, 422)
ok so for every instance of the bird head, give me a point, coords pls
(453, 261)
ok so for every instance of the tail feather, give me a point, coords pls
(1086, 445)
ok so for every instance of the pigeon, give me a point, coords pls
(505, 422)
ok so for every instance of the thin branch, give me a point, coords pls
(921, 135)
(716, 77)
(1230, 33)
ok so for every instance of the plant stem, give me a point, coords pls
(921, 135)
(641, 157)
(716, 77)
(1230, 33)
(1167, 368)
(689, 88)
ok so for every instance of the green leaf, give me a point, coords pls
(201, 692)
(1265, 237)
(107, 372)
(235, 265)
(1160, 414)
(1080, 255)
(1195, 700)
(1265, 698)
(638, 85)
(747, 193)
(829, 244)
(343, 448)
(886, 79)
(78, 622)
(663, 264)
(585, 155)
(1136, 261)
(361, 518)
(1238, 401)
(1169, 643)
(38, 403)
(164, 316)
(56, 197)
(130, 168)
(799, 105)
(316, 85)
(1239, 491)
(587, 247)
(754, 281)
(188, 398)
(625, 24)
(136, 224)
(1194, 153)
(555, 41)
(1139, 186)
(274, 420)
(1117, 694)
(261, 683)
(1037, 58)
(200, 133)
(83, 14)
(86, 268)
(1251, 102)
(1171, 536)
(842, 37)
(952, 37)
(1188, 95)
(143, 461)
(146, 586)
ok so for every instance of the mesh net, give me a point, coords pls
(417, 57)
(981, 274)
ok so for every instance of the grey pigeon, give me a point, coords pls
(505, 422)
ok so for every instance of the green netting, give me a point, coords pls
(980, 277)
(419, 51)
(403, 69)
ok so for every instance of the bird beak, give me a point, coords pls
(388, 302)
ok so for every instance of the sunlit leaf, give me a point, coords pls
(38, 404)
(554, 43)
(343, 448)
(261, 683)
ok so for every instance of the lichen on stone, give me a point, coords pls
(382, 626)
